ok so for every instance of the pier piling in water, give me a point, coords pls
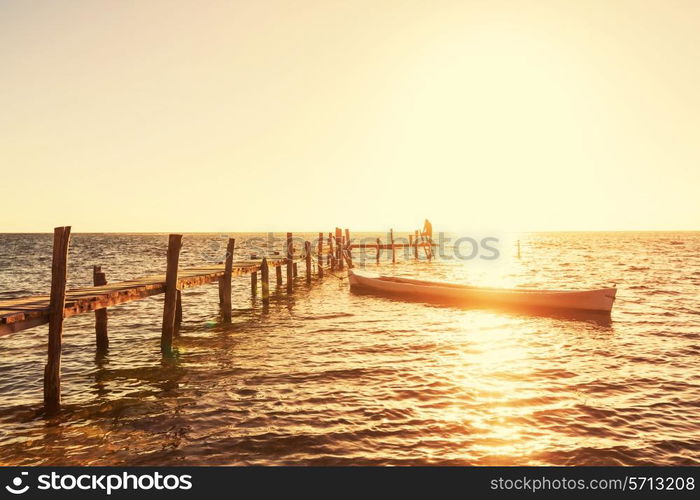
(307, 259)
(319, 258)
(331, 252)
(339, 248)
(52, 370)
(278, 276)
(329, 257)
(225, 281)
(265, 278)
(290, 263)
(347, 249)
(170, 303)
(101, 336)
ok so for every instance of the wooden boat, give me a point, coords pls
(599, 300)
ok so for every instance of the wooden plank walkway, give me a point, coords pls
(27, 312)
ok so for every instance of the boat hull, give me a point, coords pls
(598, 300)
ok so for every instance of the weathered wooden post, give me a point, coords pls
(331, 251)
(307, 258)
(342, 249)
(225, 280)
(329, 256)
(170, 304)
(393, 247)
(320, 255)
(254, 283)
(278, 275)
(379, 249)
(290, 263)
(265, 277)
(296, 269)
(101, 337)
(348, 249)
(339, 247)
(52, 370)
(410, 245)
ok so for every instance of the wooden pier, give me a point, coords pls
(27, 312)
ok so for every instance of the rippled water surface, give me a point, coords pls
(330, 377)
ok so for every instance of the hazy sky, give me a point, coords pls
(303, 115)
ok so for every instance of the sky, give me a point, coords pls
(306, 115)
